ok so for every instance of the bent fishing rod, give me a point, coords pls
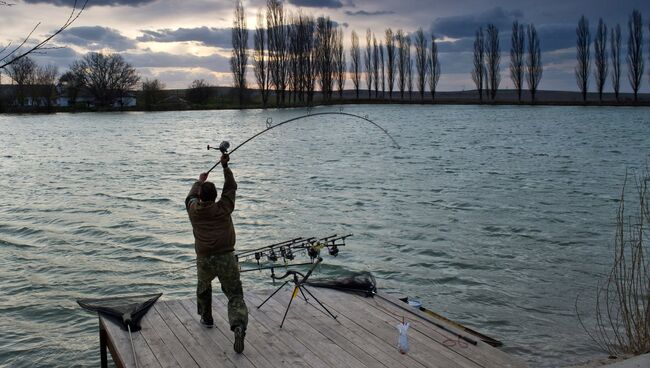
(225, 145)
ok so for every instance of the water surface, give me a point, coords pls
(493, 216)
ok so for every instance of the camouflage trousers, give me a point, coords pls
(226, 268)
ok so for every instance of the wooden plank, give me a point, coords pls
(120, 345)
(315, 356)
(482, 351)
(272, 335)
(172, 346)
(204, 336)
(216, 336)
(330, 328)
(310, 336)
(263, 352)
(482, 354)
(422, 349)
(196, 347)
(421, 353)
(382, 349)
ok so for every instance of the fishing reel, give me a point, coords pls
(224, 146)
(286, 253)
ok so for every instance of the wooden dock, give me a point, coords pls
(363, 335)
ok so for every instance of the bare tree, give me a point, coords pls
(340, 64)
(433, 67)
(355, 55)
(152, 92)
(45, 85)
(309, 57)
(23, 73)
(493, 60)
(635, 52)
(390, 61)
(401, 62)
(277, 47)
(106, 77)
(239, 58)
(517, 57)
(324, 45)
(368, 61)
(375, 65)
(260, 59)
(72, 85)
(303, 58)
(199, 91)
(600, 58)
(421, 60)
(615, 46)
(478, 73)
(382, 71)
(10, 54)
(409, 66)
(583, 55)
(534, 68)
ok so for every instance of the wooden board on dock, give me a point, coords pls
(363, 335)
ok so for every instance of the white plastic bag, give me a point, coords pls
(403, 339)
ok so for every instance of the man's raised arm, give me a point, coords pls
(193, 195)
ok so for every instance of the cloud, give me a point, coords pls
(364, 13)
(317, 3)
(218, 37)
(96, 38)
(69, 3)
(213, 62)
(556, 36)
(465, 25)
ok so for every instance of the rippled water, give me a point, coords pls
(493, 216)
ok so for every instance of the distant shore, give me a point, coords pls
(226, 98)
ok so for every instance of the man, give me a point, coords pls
(214, 242)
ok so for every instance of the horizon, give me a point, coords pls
(178, 45)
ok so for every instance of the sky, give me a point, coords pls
(180, 41)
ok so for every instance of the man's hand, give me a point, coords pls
(224, 159)
(203, 177)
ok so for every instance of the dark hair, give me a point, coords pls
(208, 192)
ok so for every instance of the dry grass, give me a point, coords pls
(622, 305)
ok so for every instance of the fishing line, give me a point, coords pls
(224, 146)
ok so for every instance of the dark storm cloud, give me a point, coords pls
(317, 3)
(459, 26)
(219, 37)
(364, 13)
(70, 3)
(556, 36)
(95, 38)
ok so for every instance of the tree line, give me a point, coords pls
(525, 61)
(103, 80)
(603, 59)
(293, 54)
(106, 77)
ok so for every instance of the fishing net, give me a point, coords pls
(129, 310)
(358, 282)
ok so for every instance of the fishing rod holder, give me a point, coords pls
(285, 253)
(299, 280)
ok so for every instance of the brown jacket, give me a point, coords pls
(212, 225)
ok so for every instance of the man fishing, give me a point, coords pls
(214, 243)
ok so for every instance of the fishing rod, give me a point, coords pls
(282, 254)
(225, 145)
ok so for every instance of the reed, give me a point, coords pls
(622, 301)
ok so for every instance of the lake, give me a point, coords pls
(494, 216)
